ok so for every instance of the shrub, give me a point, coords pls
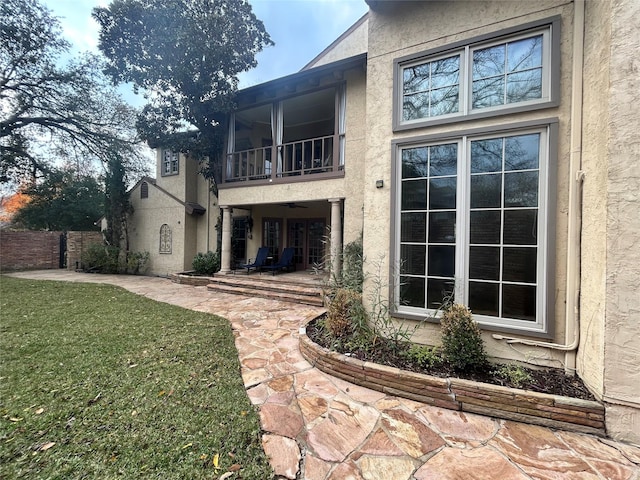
(424, 356)
(517, 375)
(462, 344)
(100, 258)
(346, 314)
(206, 263)
(352, 268)
(137, 262)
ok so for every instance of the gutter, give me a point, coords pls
(576, 174)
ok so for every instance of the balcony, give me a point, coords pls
(292, 139)
(312, 156)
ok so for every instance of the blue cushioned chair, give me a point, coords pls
(258, 264)
(285, 262)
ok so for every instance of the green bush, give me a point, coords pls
(346, 314)
(462, 345)
(352, 268)
(137, 262)
(206, 263)
(100, 258)
(424, 356)
(517, 375)
(107, 259)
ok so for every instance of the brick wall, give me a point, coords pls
(29, 250)
(76, 243)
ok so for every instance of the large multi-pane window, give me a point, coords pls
(483, 77)
(472, 227)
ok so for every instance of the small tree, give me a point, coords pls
(117, 205)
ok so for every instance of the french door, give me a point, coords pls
(307, 236)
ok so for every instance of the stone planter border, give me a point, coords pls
(187, 278)
(564, 413)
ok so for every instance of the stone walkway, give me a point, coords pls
(317, 427)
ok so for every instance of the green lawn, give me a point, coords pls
(96, 382)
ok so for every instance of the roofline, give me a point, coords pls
(337, 40)
(343, 64)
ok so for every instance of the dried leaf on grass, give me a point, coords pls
(43, 447)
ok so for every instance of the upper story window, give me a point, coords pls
(170, 162)
(144, 190)
(431, 89)
(511, 71)
(507, 72)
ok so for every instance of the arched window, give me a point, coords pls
(144, 190)
(165, 239)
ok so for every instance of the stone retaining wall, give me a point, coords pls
(553, 411)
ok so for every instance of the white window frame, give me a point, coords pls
(550, 31)
(544, 273)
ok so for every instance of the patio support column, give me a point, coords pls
(336, 237)
(225, 257)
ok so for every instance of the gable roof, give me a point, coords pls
(353, 41)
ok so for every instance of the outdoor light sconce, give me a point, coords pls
(379, 183)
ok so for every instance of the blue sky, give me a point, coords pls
(300, 29)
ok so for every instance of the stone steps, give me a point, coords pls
(265, 286)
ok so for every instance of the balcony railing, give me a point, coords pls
(305, 157)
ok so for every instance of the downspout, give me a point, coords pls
(576, 176)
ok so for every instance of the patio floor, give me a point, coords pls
(318, 427)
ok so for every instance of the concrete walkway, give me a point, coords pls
(317, 427)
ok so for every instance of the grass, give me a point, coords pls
(96, 382)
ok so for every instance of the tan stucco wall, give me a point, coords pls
(590, 359)
(353, 42)
(144, 230)
(206, 236)
(190, 233)
(413, 27)
(609, 352)
(622, 311)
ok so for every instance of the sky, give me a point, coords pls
(301, 29)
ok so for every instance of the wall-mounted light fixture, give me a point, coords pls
(379, 183)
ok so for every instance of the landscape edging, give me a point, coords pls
(555, 411)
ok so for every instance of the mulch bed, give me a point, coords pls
(545, 380)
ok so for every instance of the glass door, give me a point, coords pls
(306, 236)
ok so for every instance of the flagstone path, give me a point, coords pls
(318, 427)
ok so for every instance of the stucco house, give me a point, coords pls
(488, 150)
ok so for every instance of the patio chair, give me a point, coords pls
(286, 261)
(258, 263)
